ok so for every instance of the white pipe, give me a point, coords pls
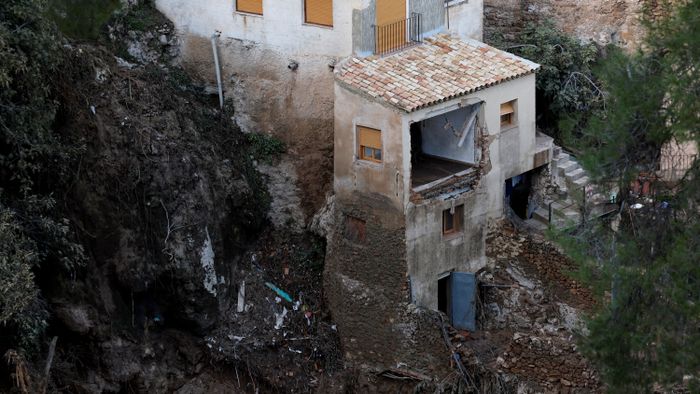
(214, 37)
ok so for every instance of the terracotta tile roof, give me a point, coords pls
(441, 68)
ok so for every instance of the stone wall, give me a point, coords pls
(367, 289)
(602, 21)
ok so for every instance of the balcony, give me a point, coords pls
(398, 35)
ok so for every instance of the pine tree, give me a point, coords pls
(647, 330)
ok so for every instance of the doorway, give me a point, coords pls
(444, 295)
(518, 194)
(457, 299)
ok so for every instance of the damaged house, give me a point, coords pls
(428, 141)
(432, 133)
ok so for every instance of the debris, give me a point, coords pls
(403, 374)
(241, 298)
(279, 291)
(279, 318)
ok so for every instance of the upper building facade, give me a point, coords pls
(335, 28)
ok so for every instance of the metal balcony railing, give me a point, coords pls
(398, 35)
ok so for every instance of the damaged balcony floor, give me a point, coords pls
(429, 169)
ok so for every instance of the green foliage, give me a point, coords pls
(82, 19)
(566, 87)
(34, 162)
(265, 147)
(143, 17)
(17, 257)
(647, 331)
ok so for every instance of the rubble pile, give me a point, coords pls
(278, 326)
(529, 314)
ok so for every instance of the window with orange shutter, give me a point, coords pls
(250, 6)
(318, 12)
(369, 144)
(508, 114)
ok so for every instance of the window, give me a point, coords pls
(370, 144)
(250, 6)
(318, 12)
(508, 114)
(452, 220)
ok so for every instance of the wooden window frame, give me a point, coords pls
(373, 149)
(457, 220)
(510, 114)
(250, 12)
(306, 18)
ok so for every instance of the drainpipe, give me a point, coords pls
(447, 11)
(214, 37)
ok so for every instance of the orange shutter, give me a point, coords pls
(250, 6)
(390, 11)
(319, 12)
(371, 138)
(507, 108)
(391, 25)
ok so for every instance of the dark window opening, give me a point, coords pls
(452, 220)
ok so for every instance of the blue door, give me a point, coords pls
(463, 288)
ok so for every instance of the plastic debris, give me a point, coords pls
(241, 298)
(279, 291)
(279, 318)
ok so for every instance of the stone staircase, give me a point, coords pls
(574, 190)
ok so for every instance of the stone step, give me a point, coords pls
(561, 160)
(575, 174)
(581, 182)
(563, 192)
(541, 215)
(536, 224)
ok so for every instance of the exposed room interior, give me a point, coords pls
(443, 145)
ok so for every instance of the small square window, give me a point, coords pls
(452, 220)
(370, 144)
(318, 12)
(250, 6)
(508, 113)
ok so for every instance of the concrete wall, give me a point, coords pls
(430, 254)
(432, 15)
(354, 175)
(363, 21)
(466, 18)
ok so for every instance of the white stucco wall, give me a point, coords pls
(352, 174)
(280, 27)
(466, 18)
